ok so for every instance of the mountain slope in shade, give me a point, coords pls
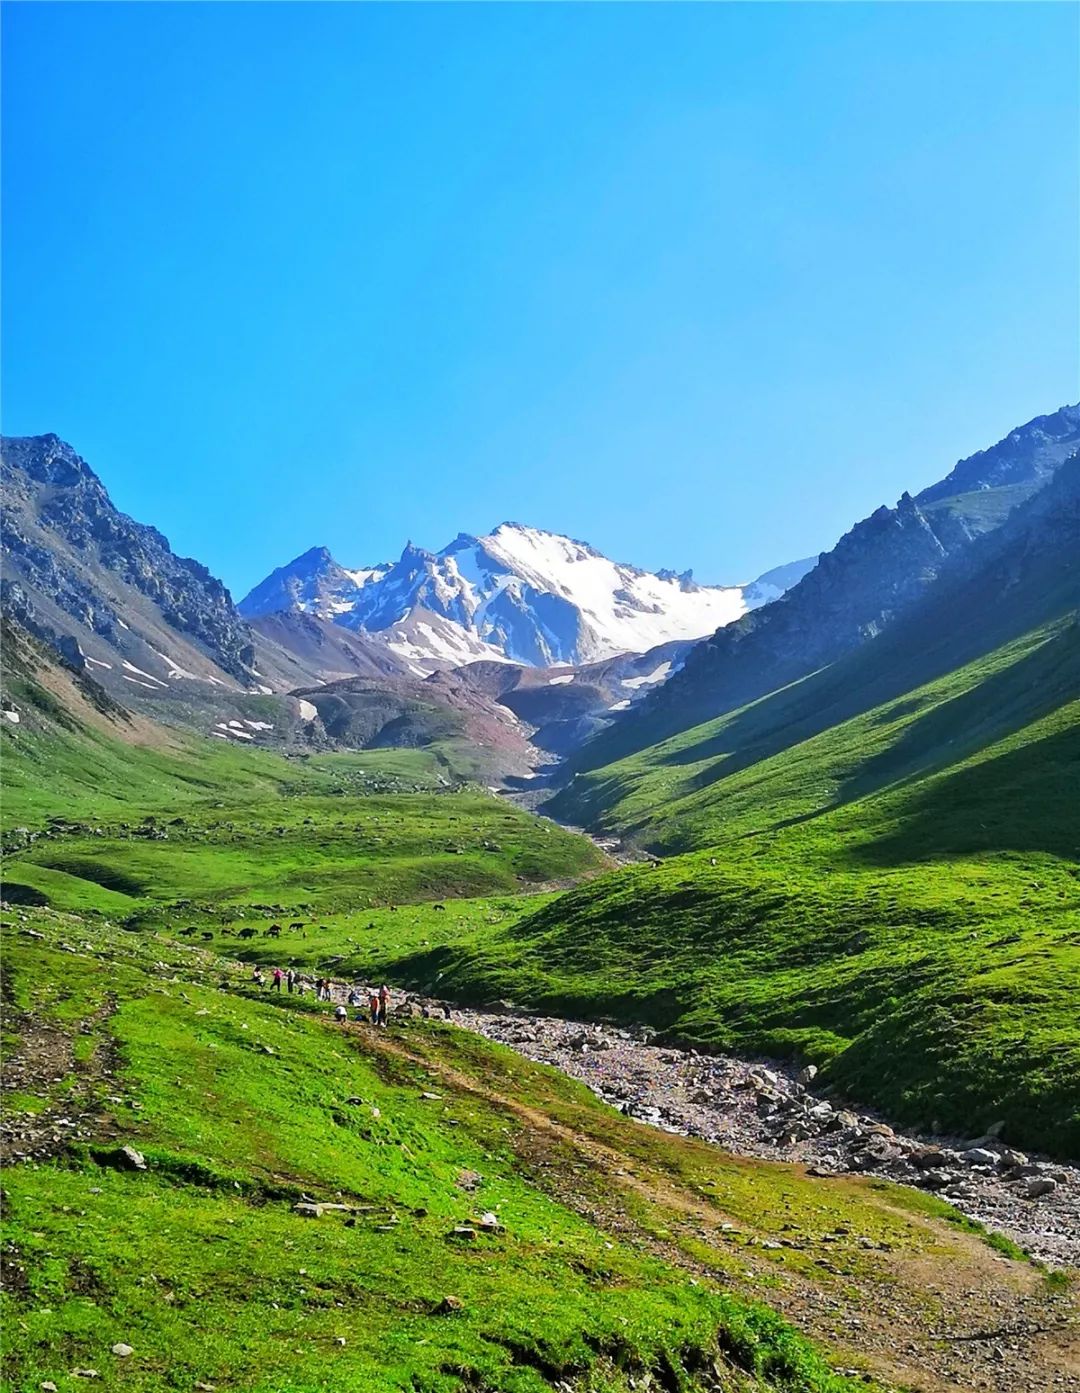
(1021, 579)
(873, 575)
(519, 594)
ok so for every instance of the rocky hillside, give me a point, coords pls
(77, 568)
(874, 574)
(102, 612)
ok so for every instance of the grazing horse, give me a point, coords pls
(207, 936)
(438, 906)
(297, 924)
(274, 931)
(187, 933)
(247, 933)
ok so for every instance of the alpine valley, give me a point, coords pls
(731, 935)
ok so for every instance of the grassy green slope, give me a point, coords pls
(896, 897)
(304, 856)
(57, 766)
(798, 753)
(614, 1260)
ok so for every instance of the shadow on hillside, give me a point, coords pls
(991, 710)
(999, 705)
(943, 635)
(1023, 800)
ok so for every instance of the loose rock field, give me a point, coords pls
(769, 1109)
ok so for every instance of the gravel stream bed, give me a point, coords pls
(769, 1109)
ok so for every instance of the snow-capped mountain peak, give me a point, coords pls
(313, 583)
(517, 593)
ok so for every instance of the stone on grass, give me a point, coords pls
(121, 1350)
(308, 1211)
(124, 1158)
(448, 1305)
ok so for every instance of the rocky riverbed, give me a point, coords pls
(769, 1109)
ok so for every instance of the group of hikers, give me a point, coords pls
(378, 998)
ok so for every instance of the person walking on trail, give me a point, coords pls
(341, 1014)
(353, 997)
(258, 978)
(318, 988)
(384, 1002)
(373, 1005)
(290, 980)
(277, 979)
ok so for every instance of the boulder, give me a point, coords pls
(123, 1158)
(1036, 1185)
(935, 1180)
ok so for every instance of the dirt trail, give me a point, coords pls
(68, 1089)
(968, 1320)
(767, 1109)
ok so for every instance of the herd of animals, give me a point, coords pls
(272, 931)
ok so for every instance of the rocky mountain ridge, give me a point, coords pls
(876, 572)
(71, 555)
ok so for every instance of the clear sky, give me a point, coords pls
(699, 284)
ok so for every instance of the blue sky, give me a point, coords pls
(699, 284)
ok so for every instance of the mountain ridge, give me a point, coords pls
(518, 592)
(874, 574)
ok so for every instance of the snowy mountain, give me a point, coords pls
(518, 594)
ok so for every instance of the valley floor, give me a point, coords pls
(315, 1206)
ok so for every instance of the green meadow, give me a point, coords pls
(619, 1256)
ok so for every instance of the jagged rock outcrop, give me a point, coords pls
(1027, 457)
